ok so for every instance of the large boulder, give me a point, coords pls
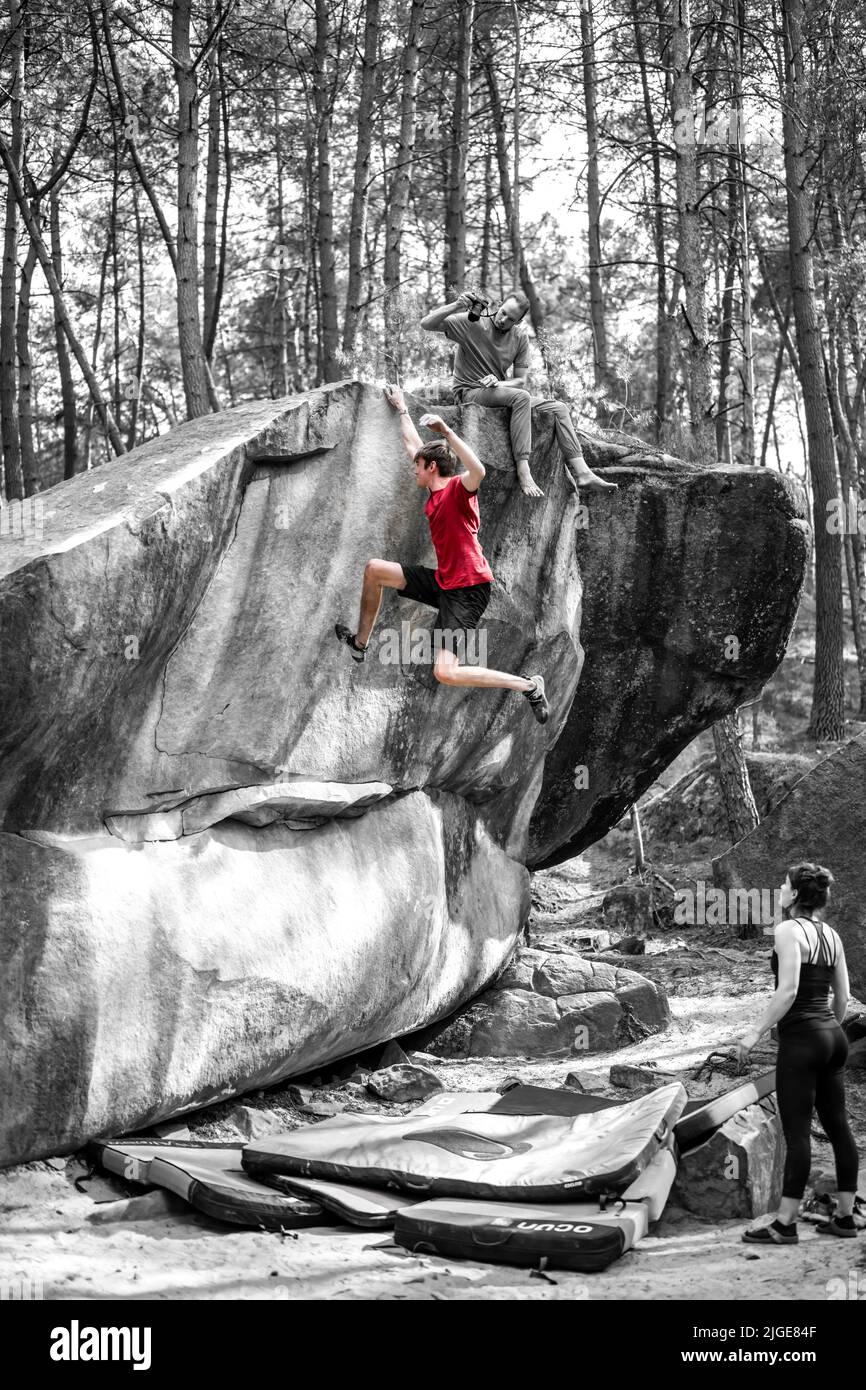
(823, 819)
(230, 854)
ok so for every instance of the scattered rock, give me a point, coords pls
(151, 1207)
(583, 1081)
(635, 1078)
(630, 946)
(509, 1084)
(738, 1171)
(255, 1123)
(404, 1082)
(424, 1059)
(628, 908)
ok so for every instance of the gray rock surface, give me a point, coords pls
(823, 819)
(228, 854)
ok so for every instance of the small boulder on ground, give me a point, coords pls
(738, 1171)
(254, 1123)
(405, 1081)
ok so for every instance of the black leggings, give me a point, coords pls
(809, 1076)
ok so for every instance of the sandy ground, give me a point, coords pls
(715, 986)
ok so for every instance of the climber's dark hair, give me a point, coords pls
(439, 453)
(812, 883)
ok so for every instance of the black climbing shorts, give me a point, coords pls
(459, 610)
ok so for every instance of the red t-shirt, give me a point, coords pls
(454, 520)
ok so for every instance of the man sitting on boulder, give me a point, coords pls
(460, 585)
(487, 346)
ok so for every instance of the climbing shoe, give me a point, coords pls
(537, 699)
(357, 653)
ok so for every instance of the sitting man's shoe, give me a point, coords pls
(774, 1234)
(537, 699)
(357, 653)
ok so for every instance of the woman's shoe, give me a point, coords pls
(775, 1234)
(843, 1226)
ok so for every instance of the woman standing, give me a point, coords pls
(808, 961)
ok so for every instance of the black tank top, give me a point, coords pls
(811, 1006)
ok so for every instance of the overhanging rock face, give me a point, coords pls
(230, 854)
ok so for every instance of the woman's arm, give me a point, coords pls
(841, 988)
(788, 953)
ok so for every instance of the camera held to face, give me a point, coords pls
(477, 307)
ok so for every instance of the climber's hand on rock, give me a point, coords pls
(435, 423)
(394, 396)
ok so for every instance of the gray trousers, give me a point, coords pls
(522, 406)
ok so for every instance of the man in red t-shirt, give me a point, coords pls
(459, 587)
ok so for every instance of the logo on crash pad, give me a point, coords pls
(468, 1145)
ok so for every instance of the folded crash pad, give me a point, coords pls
(573, 1235)
(537, 1158)
(701, 1118)
(370, 1207)
(211, 1179)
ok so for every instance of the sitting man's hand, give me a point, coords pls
(435, 423)
(394, 396)
(490, 380)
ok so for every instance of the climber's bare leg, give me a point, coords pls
(378, 576)
(528, 485)
(448, 670)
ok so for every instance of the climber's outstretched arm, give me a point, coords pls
(412, 440)
(475, 470)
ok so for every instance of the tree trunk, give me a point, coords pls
(664, 335)
(323, 94)
(60, 309)
(696, 345)
(9, 423)
(210, 273)
(747, 443)
(361, 176)
(29, 465)
(601, 373)
(137, 381)
(398, 199)
(64, 365)
(198, 389)
(455, 205)
(740, 809)
(506, 192)
(828, 702)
